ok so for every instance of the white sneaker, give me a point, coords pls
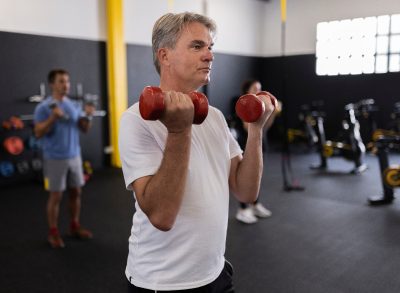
(246, 216)
(260, 211)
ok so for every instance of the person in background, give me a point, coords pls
(249, 213)
(58, 121)
(181, 173)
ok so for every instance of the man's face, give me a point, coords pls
(191, 59)
(61, 84)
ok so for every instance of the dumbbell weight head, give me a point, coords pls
(52, 105)
(249, 108)
(200, 103)
(264, 93)
(152, 106)
(151, 103)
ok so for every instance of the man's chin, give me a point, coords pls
(206, 80)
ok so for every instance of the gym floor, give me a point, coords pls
(324, 239)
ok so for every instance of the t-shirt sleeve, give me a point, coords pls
(40, 113)
(140, 154)
(234, 148)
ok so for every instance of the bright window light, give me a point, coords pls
(395, 44)
(369, 26)
(395, 24)
(381, 65)
(358, 46)
(344, 65)
(368, 64)
(356, 65)
(356, 27)
(322, 66)
(333, 66)
(382, 44)
(368, 45)
(394, 63)
(383, 24)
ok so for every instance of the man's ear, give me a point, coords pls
(163, 56)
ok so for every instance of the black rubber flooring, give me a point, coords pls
(324, 239)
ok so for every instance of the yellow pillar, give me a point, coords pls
(116, 73)
(283, 10)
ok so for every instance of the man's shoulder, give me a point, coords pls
(214, 112)
(43, 104)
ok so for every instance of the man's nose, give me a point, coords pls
(209, 55)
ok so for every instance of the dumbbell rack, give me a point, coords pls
(26, 166)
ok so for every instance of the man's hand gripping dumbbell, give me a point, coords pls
(173, 109)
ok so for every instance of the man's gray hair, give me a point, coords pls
(168, 29)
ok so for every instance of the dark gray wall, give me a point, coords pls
(25, 61)
(304, 86)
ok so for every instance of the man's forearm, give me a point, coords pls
(250, 169)
(41, 128)
(163, 194)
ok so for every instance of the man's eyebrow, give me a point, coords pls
(201, 43)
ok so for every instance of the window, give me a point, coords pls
(358, 46)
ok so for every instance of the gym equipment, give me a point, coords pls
(83, 99)
(13, 123)
(33, 143)
(53, 104)
(395, 118)
(87, 170)
(41, 96)
(365, 112)
(390, 175)
(151, 104)
(13, 145)
(22, 167)
(6, 169)
(249, 107)
(308, 121)
(351, 147)
(37, 164)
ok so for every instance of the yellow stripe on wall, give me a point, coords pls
(116, 73)
(283, 10)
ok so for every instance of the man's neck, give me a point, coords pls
(176, 85)
(57, 97)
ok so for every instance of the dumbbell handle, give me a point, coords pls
(249, 107)
(152, 104)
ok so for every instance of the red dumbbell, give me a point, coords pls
(249, 107)
(151, 104)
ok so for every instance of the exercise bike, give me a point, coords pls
(351, 147)
(306, 133)
(390, 174)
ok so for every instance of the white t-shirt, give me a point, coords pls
(191, 254)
